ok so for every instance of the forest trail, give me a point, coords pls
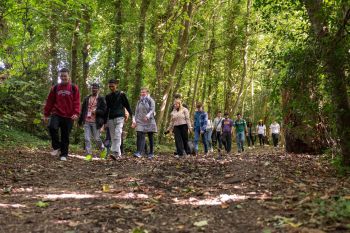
(261, 190)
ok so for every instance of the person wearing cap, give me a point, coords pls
(261, 131)
(117, 102)
(92, 115)
(227, 130)
(241, 130)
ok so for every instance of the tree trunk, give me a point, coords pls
(53, 35)
(245, 57)
(140, 48)
(118, 35)
(182, 46)
(74, 52)
(333, 56)
(86, 50)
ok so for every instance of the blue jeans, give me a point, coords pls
(91, 131)
(197, 133)
(240, 141)
(207, 136)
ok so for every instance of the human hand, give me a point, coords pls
(133, 125)
(46, 119)
(74, 117)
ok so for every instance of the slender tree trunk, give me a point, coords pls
(182, 46)
(74, 52)
(140, 48)
(53, 47)
(333, 56)
(245, 57)
(195, 88)
(118, 35)
(86, 50)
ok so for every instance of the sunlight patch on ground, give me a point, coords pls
(90, 196)
(218, 200)
(11, 205)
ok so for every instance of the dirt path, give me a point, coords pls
(263, 190)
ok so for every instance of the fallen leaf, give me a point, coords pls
(42, 204)
(201, 223)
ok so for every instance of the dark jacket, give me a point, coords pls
(116, 102)
(100, 111)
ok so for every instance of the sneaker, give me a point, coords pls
(150, 156)
(137, 155)
(211, 150)
(55, 152)
(63, 158)
(112, 156)
(177, 156)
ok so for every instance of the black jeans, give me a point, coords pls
(275, 139)
(141, 142)
(218, 138)
(65, 125)
(181, 139)
(227, 141)
(250, 139)
(261, 139)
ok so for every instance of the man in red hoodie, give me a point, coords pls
(63, 107)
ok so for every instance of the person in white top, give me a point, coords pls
(261, 131)
(208, 133)
(217, 130)
(275, 131)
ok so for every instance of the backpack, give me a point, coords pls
(73, 86)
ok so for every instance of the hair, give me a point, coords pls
(238, 113)
(113, 81)
(144, 89)
(218, 112)
(64, 70)
(177, 96)
(261, 122)
(199, 105)
(226, 114)
(250, 123)
(96, 85)
(178, 101)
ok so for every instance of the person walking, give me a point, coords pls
(208, 134)
(275, 132)
(116, 102)
(241, 130)
(145, 123)
(61, 109)
(180, 125)
(261, 131)
(92, 115)
(250, 134)
(200, 127)
(227, 130)
(217, 129)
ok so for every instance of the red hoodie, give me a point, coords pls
(63, 102)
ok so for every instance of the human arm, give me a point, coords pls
(126, 104)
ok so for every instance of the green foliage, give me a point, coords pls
(334, 209)
(337, 163)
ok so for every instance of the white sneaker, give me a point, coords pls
(55, 152)
(63, 158)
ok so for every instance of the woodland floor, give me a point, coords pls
(261, 190)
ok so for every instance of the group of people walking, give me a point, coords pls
(97, 113)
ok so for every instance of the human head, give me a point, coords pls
(95, 87)
(250, 124)
(219, 114)
(144, 92)
(239, 116)
(261, 122)
(113, 84)
(177, 96)
(199, 106)
(177, 104)
(226, 115)
(64, 75)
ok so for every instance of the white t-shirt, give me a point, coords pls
(261, 129)
(275, 128)
(209, 124)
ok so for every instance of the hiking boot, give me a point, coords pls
(63, 158)
(113, 156)
(55, 152)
